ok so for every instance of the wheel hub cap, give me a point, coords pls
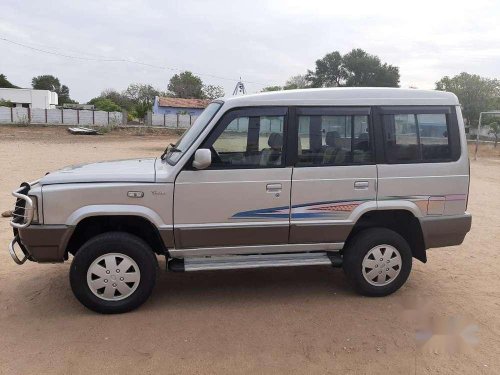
(381, 265)
(113, 276)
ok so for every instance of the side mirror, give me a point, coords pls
(202, 158)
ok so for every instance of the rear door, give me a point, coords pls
(424, 167)
(243, 198)
(334, 177)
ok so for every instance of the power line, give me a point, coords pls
(107, 59)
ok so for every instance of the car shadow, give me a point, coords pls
(49, 293)
(248, 285)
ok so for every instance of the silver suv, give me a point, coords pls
(364, 179)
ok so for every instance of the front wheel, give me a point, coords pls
(377, 261)
(113, 272)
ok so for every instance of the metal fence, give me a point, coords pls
(19, 115)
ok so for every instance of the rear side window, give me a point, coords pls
(416, 137)
(333, 140)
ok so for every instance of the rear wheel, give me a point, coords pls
(113, 273)
(377, 262)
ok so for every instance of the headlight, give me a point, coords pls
(35, 209)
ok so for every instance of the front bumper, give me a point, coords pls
(40, 243)
(441, 231)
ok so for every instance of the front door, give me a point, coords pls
(335, 176)
(243, 198)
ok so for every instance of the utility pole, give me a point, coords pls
(240, 87)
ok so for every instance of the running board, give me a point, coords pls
(254, 261)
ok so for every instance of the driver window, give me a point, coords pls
(250, 142)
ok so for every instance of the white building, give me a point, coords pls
(30, 98)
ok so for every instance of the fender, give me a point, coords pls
(114, 210)
(402, 204)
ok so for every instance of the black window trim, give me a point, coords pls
(328, 111)
(190, 160)
(375, 123)
(333, 111)
(234, 113)
(409, 110)
(451, 125)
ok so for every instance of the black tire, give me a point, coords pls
(107, 243)
(359, 247)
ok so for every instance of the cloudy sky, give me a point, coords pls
(264, 42)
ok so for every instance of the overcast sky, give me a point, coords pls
(264, 42)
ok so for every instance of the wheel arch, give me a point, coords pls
(402, 221)
(91, 226)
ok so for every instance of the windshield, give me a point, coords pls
(190, 135)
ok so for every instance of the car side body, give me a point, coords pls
(294, 172)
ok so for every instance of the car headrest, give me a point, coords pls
(331, 138)
(275, 141)
(363, 137)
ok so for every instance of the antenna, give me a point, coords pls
(240, 87)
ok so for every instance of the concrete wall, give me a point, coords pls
(170, 120)
(43, 99)
(19, 115)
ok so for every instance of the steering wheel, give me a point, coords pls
(215, 156)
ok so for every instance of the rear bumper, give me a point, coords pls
(441, 231)
(43, 243)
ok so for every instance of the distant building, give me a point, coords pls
(175, 106)
(30, 98)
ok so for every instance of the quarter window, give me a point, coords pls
(333, 140)
(434, 136)
(416, 137)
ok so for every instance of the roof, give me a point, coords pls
(182, 103)
(346, 96)
(17, 89)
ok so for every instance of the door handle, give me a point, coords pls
(361, 185)
(273, 188)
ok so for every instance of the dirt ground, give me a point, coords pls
(300, 320)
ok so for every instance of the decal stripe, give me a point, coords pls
(330, 208)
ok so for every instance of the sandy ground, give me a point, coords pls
(291, 321)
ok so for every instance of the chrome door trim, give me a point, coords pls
(255, 249)
(233, 224)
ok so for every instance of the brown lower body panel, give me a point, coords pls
(230, 236)
(46, 243)
(318, 232)
(441, 231)
(260, 235)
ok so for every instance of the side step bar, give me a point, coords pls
(254, 261)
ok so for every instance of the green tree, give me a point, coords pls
(49, 82)
(365, 70)
(475, 93)
(495, 130)
(328, 72)
(356, 68)
(6, 103)
(186, 85)
(271, 88)
(213, 92)
(119, 98)
(141, 94)
(141, 109)
(4, 83)
(296, 82)
(105, 104)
